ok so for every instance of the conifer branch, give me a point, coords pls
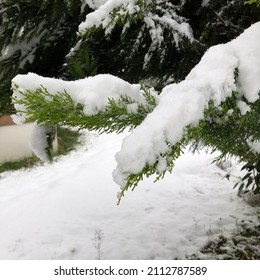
(234, 131)
(49, 109)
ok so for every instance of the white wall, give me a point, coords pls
(14, 142)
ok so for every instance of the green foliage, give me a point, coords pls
(16, 165)
(49, 109)
(223, 129)
(253, 1)
(229, 132)
(67, 140)
(251, 180)
(82, 64)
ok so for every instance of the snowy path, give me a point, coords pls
(61, 211)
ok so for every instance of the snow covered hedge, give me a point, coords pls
(217, 105)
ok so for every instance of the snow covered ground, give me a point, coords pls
(69, 210)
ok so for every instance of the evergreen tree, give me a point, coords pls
(158, 42)
(35, 36)
(164, 40)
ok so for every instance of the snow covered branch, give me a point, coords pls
(219, 96)
(48, 106)
(184, 104)
(112, 12)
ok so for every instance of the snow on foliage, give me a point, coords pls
(223, 70)
(157, 20)
(255, 146)
(92, 92)
(181, 105)
(102, 16)
(27, 49)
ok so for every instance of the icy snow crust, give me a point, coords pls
(179, 105)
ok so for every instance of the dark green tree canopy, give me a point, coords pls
(35, 36)
(122, 52)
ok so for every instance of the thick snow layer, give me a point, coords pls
(92, 92)
(60, 211)
(183, 104)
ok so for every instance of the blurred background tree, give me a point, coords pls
(35, 36)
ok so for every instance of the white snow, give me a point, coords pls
(94, 4)
(157, 26)
(246, 47)
(254, 145)
(101, 16)
(67, 210)
(243, 107)
(182, 28)
(205, 3)
(183, 104)
(38, 141)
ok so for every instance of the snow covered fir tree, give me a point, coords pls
(174, 73)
